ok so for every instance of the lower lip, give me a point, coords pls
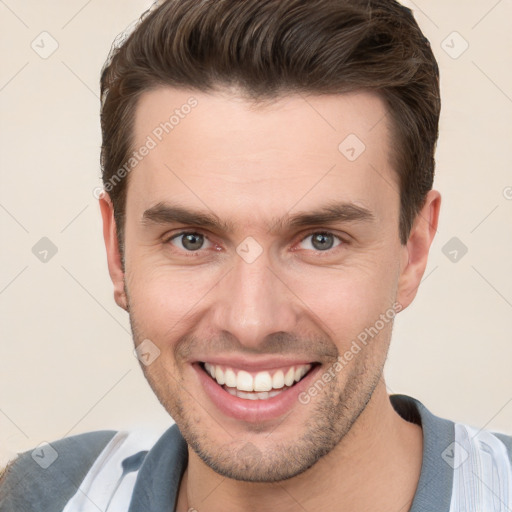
(254, 411)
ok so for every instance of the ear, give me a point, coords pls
(115, 266)
(415, 252)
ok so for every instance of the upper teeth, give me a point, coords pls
(260, 381)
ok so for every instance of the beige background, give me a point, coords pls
(66, 363)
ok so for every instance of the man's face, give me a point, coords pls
(255, 293)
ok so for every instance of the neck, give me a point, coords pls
(377, 463)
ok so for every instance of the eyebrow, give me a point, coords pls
(164, 213)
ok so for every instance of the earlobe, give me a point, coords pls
(415, 252)
(115, 266)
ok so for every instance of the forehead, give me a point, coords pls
(223, 152)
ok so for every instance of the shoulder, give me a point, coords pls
(489, 450)
(46, 477)
(493, 446)
(482, 463)
(507, 441)
(464, 468)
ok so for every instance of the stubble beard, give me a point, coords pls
(334, 411)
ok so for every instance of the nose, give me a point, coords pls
(253, 301)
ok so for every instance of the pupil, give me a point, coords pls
(322, 241)
(192, 241)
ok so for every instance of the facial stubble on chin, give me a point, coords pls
(332, 416)
(333, 412)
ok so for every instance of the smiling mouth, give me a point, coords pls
(261, 385)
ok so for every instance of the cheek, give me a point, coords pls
(346, 301)
(161, 298)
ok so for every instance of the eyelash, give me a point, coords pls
(195, 254)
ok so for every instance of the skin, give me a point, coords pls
(253, 165)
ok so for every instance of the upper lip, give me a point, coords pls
(253, 364)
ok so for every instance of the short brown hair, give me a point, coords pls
(269, 48)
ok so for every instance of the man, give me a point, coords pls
(268, 210)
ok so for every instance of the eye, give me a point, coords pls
(189, 241)
(320, 241)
